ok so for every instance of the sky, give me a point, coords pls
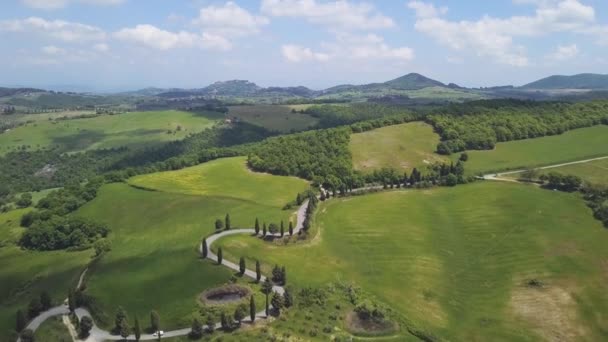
(107, 45)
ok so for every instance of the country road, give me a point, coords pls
(498, 176)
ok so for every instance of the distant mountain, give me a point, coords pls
(18, 91)
(580, 81)
(413, 81)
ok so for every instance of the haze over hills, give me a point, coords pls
(580, 81)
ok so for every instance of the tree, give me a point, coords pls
(25, 200)
(219, 224)
(204, 249)
(137, 329)
(27, 335)
(71, 301)
(282, 228)
(258, 271)
(45, 300)
(283, 275)
(227, 223)
(264, 231)
(197, 329)
(220, 256)
(290, 228)
(225, 322)
(273, 228)
(464, 156)
(451, 180)
(125, 329)
(252, 309)
(257, 226)
(120, 319)
(266, 286)
(154, 321)
(34, 308)
(277, 302)
(21, 321)
(85, 326)
(242, 266)
(267, 310)
(287, 298)
(239, 313)
(210, 324)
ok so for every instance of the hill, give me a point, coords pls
(413, 81)
(580, 81)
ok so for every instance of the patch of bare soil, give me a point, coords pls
(550, 311)
(369, 327)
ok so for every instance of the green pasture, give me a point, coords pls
(593, 172)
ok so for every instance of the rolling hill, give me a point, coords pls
(580, 81)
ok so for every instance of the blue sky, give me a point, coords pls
(126, 44)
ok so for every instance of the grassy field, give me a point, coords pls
(273, 117)
(24, 274)
(402, 147)
(53, 330)
(154, 263)
(106, 131)
(571, 146)
(457, 262)
(594, 172)
(226, 177)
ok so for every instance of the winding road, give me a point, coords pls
(98, 335)
(498, 176)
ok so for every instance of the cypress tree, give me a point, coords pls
(224, 321)
(71, 301)
(282, 229)
(290, 228)
(277, 302)
(264, 230)
(197, 329)
(257, 226)
(21, 321)
(136, 329)
(154, 321)
(252, 309)
(205, 249)
(283, 275)
(45, 300)
(242, 266)
(227, 223)
(258, 271)
(210, 324)
(267, 306)
(287, 298)
(219, 256)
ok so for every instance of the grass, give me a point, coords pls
(107, 131)
(24, 274)
(402, 147)
(273, 117)
(455, 262)
(594, 172)
(571, 146)
(154, 263)
(227, 177)
(53, 330)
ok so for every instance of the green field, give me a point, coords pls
(154, 263)
(273, 117)
(402, 147)
(25, 274)
(53, 330)
(457, 262)
(107, 131)
(574, 145)
(593, 172)
(226, 177)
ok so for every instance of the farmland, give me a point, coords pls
(593, 172)
(273, 117)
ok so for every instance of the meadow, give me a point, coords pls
(593, 172)
(573, 145)
(107, 131)
(154, 264)
(402, 147)
(273, 117)
(53, 330)
(484, 261)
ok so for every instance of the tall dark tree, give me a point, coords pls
(277, 302)
(290, 228)
(282, 228)
(287, 298)
(239, 313)
(21, 321)
(227, 225)
(225, 321)
(252, 309)
(136, 329)
(27, 335)
(71, 301)
(220, 256)
(258, 271)
(264, 230)
(283, 275)
(45, 300)
(257, 226)
(266, 286)
(267, 311)
(34, 308)
(125, 329)
(85, 326)
(210, 324)
(204, 248)
(242, 266)
(154, 321)
(120, 319)
(196, 331)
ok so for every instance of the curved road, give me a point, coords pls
(99, 335)
(498, 176)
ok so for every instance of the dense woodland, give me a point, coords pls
(338, 115)
(480, 125)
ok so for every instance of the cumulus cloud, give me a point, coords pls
(229, 19)
(101, 47)
(58, 29)
(53, 50)
(296, 53)
(341, 14)
(564, 52)
(494, 37)
(55, 4)
(156, 38)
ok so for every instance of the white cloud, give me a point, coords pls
(296, 53)
(564, 52)
(55, 4)
(340, 14)
(156, 38)
(494, 37)
(53, 50)
(58, 29)
(101, 47)
(230, 19)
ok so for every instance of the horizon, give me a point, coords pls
(119, 45)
